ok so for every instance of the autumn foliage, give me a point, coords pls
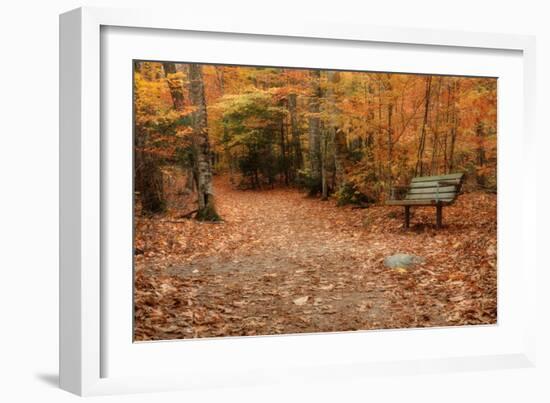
(260, 200)
(364, 131)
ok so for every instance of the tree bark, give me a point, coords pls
(284, 158)
(418, 171)
(453, 142)
(340, 153)
(447, 129)
(175, 85)
(480, 148)
(147, 174)
(453, 130)
(390, 143)
(324, 164)
(297, 157)
(480, 134)
(201, 146)
(435, 134)
(336, 135)
(315, 132)
(369, 136)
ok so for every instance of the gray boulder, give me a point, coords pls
(402, 260)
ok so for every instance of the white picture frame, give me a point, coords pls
(84, 306)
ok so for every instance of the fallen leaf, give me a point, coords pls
(301, 300)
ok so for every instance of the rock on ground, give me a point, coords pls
(402, 260)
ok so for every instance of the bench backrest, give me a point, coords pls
(443, 188)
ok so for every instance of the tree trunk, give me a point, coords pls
(380, 131)
(418, 171)
(435, 134)
(480, 133)
(340, 152)
(147, 174)
(190, 180)
(201, 147)
(284, 159)
(220, 74)
(369, 137)
(297, 158)
(315, 132)
(324, 163)
(175, 85)
(480, 148)
(390, 143)
(336, 136)
(447, 130)
(453, 142)
(453, 130)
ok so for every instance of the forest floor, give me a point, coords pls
(281, 262)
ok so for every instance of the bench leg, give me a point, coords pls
(439, 215)
(407, 216)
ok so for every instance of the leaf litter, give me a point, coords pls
(282, 263)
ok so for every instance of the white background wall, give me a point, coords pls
(29, 201)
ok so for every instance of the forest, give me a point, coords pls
(260, 192)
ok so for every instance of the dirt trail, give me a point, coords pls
(284, 263)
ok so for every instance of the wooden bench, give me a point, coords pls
(435, 191)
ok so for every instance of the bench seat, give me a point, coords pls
(438, 191)
(417, 202)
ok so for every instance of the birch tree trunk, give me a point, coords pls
(201, 147)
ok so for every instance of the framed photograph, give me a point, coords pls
(243, 203)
